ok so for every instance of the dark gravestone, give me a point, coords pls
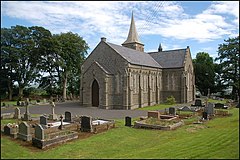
(86, 124)
(172, 111)
(68, 117)
(209, 109)
(43, 120)
(219, 106)
(198, 102)
(7, 130)
(39, 132)
(128, 121)
(204, 115)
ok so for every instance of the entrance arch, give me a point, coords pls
(95, 93)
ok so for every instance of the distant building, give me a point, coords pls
(126, 77)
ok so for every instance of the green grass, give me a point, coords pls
(157, 107)
(217, 101)
(217, 138)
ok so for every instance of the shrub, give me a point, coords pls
(170, 100)
(38, 101)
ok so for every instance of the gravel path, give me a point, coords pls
(76, 109)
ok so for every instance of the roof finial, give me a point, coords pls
(160, 48)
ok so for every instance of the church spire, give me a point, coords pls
(132, 35)
(160, 48)
(132, 39)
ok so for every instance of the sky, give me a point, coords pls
(201, 25)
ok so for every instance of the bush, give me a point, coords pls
(170, 100)
(38, 101)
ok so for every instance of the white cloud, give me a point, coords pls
(111, 19)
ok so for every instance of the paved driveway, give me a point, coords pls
(76, 109)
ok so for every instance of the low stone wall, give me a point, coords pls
(103, 127)
(139, 124)
(56, 140)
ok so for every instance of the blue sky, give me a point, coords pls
(202, 25)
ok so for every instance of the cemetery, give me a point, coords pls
(52, 129)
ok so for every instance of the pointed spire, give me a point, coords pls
(132, 35)
(160, 48)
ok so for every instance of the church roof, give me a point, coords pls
(134, 56)
(170, 59)
(132, 35)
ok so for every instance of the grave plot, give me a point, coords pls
(162, 122)
(88, 124)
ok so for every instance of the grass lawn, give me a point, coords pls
(217, 138)
(157, 107)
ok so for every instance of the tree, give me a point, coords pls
(8, 61)
(228, 55)
(204, 72)
(72, 52)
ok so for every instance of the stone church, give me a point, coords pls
(126, 77)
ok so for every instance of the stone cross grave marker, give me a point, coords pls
(68, 117)
(128, 121)
(61, 126)
(43, 120)
(17, 114)
(86, 124)
(24, 132)
(172, 111)
(39, 132)
(27, 116)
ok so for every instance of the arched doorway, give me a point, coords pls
(95, 93)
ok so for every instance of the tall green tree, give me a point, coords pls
(228, 55)
(8, 62)
(204, 72)
(72, 51)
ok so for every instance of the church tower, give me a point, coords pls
(132, 39)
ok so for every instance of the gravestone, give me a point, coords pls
(128, 121)
(68, 117)
(43, 120)
(7, 130)
(198, 102)
(24, 132)
(172, 111)
(39, 132)
(219, 106)
(53, 116)
(204, 115)
(86, 124)
(27, 116)
(44, 101)
(17, 114)
(209, 109)
(154, 114)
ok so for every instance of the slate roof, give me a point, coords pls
(134, 56)
(170, 59)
